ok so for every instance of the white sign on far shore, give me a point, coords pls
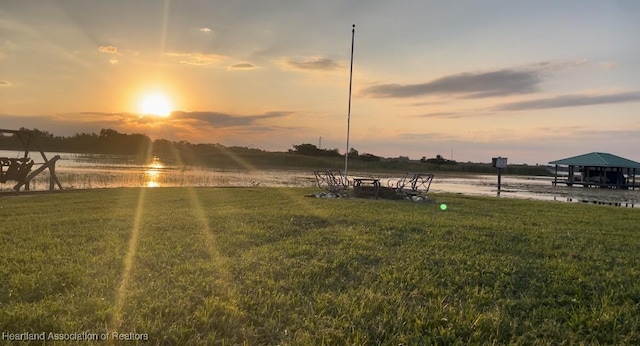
(499, 162)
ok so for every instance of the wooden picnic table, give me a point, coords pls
(358, 185)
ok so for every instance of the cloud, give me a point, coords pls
(4, 83)
(586, 131)
(113, 61)
(608, 65)
(199, 59)
(451, 115)
(426, 136)
(65, 124)
(204, 118)
(317, 64)
(109, 50)
(217, 119)
(574, 100)
(242, 66)
(618, 134)
(552, 66)
(503, 82)
(561, 101)
(195, 127)
(205, 29)
(467, 85)
(103, 114)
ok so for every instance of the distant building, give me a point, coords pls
(598, 170)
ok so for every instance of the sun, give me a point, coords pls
(155, 104)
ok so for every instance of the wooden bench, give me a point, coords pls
(331, 180)
(412, 184)
(19, 169)
(14, 169)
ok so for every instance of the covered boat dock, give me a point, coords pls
(598, 170)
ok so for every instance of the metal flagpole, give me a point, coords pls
(346, 154)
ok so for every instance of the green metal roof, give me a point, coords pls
(597, 160)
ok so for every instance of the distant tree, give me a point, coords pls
(306, 149)
(312, 150)
(369, 158)
(37, 133)
(114, 142)
(331, 152)
(163, 147)
(353, 153)
(439, 160)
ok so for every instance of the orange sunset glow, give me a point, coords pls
(479, 80)
(155, 103)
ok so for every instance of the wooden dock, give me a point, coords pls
(596, 184)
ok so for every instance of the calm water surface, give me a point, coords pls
(77, 171)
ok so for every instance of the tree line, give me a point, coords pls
(183, 153)
(108, 141)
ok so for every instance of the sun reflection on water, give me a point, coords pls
(153, 172)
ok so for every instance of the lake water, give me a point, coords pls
(77, 171)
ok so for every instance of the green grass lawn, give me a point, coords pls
(266, 266)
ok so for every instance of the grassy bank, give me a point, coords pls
(269, 266)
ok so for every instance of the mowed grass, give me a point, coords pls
(266, 266)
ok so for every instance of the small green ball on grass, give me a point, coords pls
(443, 206)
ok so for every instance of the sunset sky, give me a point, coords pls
(533, 81)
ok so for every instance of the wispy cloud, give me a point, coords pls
(103, 114)
(199, 59)
(4, 83)
(574, 100)
(59, 124)
(467, 85)
(452, 115)
(586, 131)
(242, 66)
(503, 82)
(608, 65)
(423, 136)
(314, 64)
(552, 66)
(217, 119)
(630, 134)
(109, 49)
(113, 61)
(204, 126)
(206, 30)
(560, 101)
